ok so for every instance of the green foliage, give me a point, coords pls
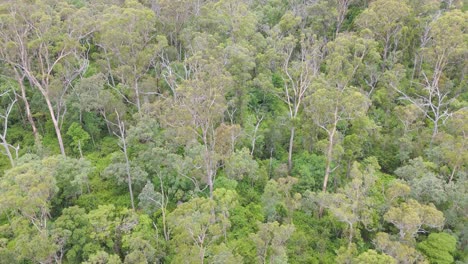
(353, 204)
(251, 131)
(79, 137)
(278, 199)
(74, 226)
(439, 247)
(312, 239)
(118, 169)
(409, 217)
(29, 187)
(102, 257)
(309, 169)
(150, 200)
(72, 178)
(426, 185)
(140, 245)
(400, 251)
(371, 256)
(240, 164)
(270, 242)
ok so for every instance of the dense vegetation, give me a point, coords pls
(233, 131)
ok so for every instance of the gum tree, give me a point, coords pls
(40, 42)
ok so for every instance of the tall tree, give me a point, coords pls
(40, 41)
(336, 100)
(352, 204)
(122, 168)
(300, 68)
(270, 242)
(403, 252)
(199, 111)
(129, 48)
(4, 117)
(453, 144)
(197, 229)
(342, 8)
(28, 189)
(444, 44)
(385, 20)
(410, 217)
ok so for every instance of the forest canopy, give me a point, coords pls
(233, 131)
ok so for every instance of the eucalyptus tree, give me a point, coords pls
(300, 57)
(385, 19)
(439, 85)
(151, 201)
(453, 143)
(352, 204)
(372, 256)
(196, 115)
(279, 201)
(402, 252)
(270, 242)
(32, 186)
(335, 100)
(129, 47)
(342, 8)
(411, 217)
(199, 224)
(28, 190)
(21, 81)
(122, 167)
(4, 117)
(42, 42)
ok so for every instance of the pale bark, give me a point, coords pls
(254, 138)
(123, 146)
(342, 10)
(55, 122)
(3, 135)
(331, 136)
(20, 80)
(291, 143)
(299, 82)
(163, 209)
(329, 157)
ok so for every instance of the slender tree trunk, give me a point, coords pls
(452, 174)
(56, 124)
(137, 96)
(210, 181)
(8, 152)
(163, 208)
(79, 148)
(208, 166)
(26, 105)
(348, 169)
(385, 53)
(264, 256)
(329, 159)
(109, 130)
(342, 10)
(435, 131)
(202, 254)
(121, 136)
(254, 139)
(291, 143)
(351, 230)
(3, 135)
(129, 177)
